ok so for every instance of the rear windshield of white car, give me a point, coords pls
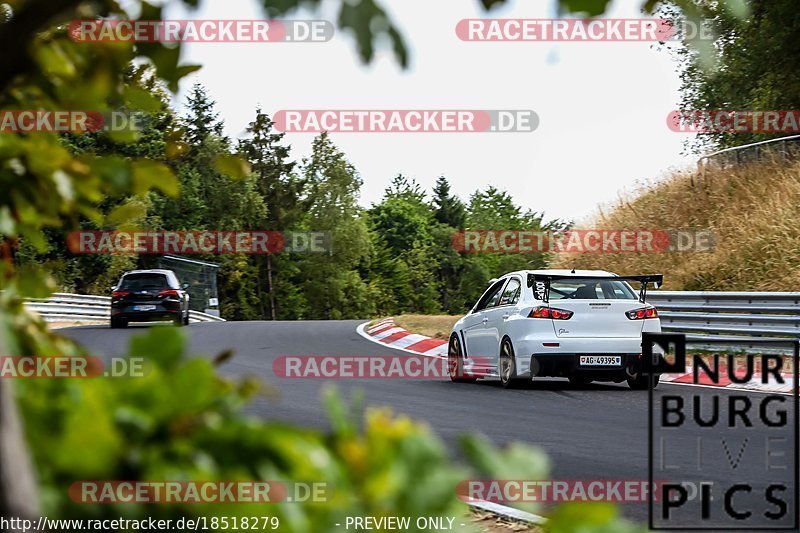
(591, 289)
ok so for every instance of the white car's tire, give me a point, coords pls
(455, 362)
(507, 367)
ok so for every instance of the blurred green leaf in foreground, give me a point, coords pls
(181, 421)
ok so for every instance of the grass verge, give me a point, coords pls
(434, 326)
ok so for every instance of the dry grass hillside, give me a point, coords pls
(753, 211)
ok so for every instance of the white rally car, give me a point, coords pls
(585, 325)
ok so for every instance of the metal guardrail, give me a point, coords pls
(782, 148)
(734, 320)
(81, 307)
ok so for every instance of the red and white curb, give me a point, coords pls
(752, 385)
(393, 336)
(386, 332)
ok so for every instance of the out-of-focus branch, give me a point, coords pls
(17, 34)
(18, 489)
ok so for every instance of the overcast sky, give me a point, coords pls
(602, 106)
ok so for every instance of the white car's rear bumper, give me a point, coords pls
(539, 357)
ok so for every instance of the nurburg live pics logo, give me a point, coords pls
(725, 460)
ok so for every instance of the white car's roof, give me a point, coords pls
(564, 272)
(576, 273)
(556, 272)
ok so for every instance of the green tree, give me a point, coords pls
(492, 209)
(451, 216)
(748, 67)
(332, 283)
(225, 199)
(449, 209)
(402, 219)
(150, 136)
(216, 196)
(281, 191)
(402, 224)
(203, 120)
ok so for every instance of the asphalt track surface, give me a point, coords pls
(599, 432)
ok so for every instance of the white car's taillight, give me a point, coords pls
(642, 313)
(550, 312)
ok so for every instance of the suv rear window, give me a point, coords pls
(144, 281)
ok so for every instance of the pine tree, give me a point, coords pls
(281, 193)
(272, 168)
(449, 209)
(202, 120)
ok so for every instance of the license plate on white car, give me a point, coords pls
(600, 360)
(144, 307)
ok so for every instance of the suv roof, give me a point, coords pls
(150, 271)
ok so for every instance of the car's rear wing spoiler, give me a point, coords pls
(541, 283)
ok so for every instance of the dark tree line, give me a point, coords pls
(394, 257)
(751, 65)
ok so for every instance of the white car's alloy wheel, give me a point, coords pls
(508, 367)
(455, 362)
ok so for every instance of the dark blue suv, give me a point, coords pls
(149, 295)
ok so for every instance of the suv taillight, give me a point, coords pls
(119, 294)
(167, 293)
(550, 312)
(642, 313)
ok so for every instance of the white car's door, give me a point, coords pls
(472, 323)
(498, 314)
(478, 341)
